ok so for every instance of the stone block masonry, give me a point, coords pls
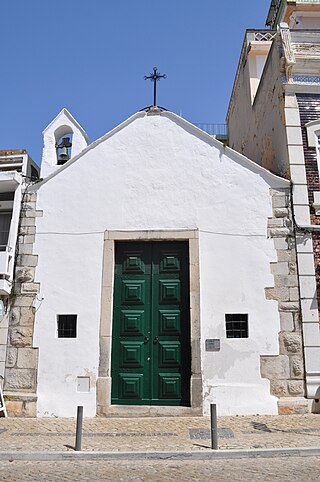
(285, 371)
(20, 384)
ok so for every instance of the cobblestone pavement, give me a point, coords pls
(161, 433)
(285, 469)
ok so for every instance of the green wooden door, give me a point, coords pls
(151, 325)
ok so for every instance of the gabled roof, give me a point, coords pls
(65, 112)
(192, 129)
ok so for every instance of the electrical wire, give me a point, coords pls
(57, 233)
(253, 235)
(70, 234)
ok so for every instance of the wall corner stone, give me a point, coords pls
(20, 380)
(285, 371)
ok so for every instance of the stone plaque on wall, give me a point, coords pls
(213, 345)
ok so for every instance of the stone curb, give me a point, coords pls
(212, 454)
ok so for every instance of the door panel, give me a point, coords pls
(151, 325)
(171, 324)
(130, 351)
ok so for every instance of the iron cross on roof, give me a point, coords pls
(155, 77)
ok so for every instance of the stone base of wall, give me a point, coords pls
(293, 406)
(21, 404)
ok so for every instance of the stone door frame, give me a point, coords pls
(104, 406)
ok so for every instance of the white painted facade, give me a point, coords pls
(155, 172)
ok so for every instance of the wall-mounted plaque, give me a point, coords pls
(213, 345)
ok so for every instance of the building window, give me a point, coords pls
(5, 222)
(237, 325)
(7, 196)
(67, 326)
(34, 175)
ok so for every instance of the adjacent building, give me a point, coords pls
(17, 172)
(277, 93)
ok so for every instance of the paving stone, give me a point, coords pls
(205, 433)
(162, 433)
(283, 469)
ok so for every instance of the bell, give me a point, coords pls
(63, 155)
(63, 146)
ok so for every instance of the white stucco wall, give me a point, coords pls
(157, 172)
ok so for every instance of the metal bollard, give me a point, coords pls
(214, 429)
(79, 428)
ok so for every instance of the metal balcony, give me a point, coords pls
(219, 131)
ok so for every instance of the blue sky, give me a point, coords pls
(91, 57)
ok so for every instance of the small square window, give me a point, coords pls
(67, 326)
(237, 325)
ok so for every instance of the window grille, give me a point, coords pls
(67, 326)
(237, 325)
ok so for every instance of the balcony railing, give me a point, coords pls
(219, 130)
(264, 36)
(261, 35)
(273, 12)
